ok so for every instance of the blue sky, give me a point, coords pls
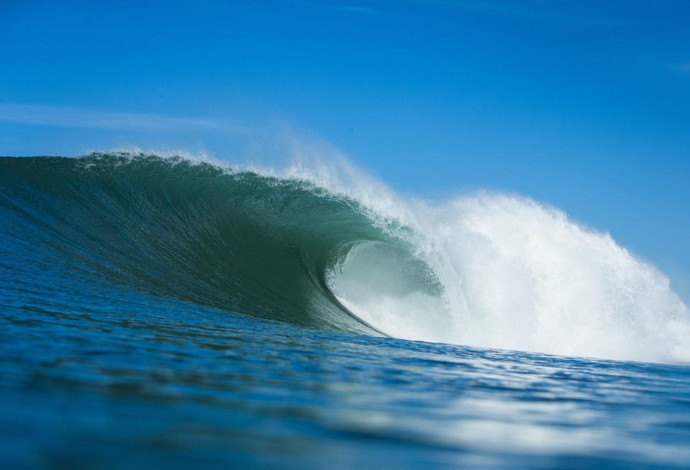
(581, 104)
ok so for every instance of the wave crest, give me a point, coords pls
(489, 270)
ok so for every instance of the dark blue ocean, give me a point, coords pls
(157, 312)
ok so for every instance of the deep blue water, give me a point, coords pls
(120, 349)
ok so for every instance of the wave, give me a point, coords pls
(489, 270)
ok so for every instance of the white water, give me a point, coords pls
(514, 273)
(518, 275)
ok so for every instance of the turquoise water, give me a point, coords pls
(165, 312)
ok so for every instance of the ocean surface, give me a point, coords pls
(161, 311)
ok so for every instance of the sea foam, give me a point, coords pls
(512, 273)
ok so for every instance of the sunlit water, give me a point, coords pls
(121, 345)
(148, 382)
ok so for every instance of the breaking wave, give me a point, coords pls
(488, 270)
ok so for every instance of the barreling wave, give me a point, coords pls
(489, 270)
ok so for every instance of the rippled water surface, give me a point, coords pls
(150, 382)
(121, 347)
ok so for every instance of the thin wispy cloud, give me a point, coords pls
(561, 12)
(64, 116)
(347, 7)
(569, 12)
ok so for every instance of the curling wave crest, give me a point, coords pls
(300, 246)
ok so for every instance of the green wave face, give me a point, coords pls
(251, 244)
(490, 270)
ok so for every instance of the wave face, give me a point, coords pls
(488, 270)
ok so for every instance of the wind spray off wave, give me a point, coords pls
(298, 246)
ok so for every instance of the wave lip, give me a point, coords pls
(489, 270)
